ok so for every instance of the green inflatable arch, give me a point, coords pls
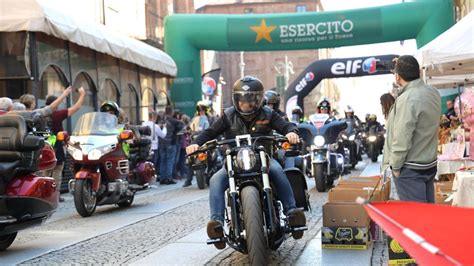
(186, 35)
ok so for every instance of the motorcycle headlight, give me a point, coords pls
(372, 138)
(352, 137)
(319, 141)
(75, 153)
(94, 154)
(344, 136)
(246, 159)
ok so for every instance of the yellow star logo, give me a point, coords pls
(263, 31)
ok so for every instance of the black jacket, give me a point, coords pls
(231, 124)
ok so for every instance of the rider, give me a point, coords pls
(353, 122)
(248, 116)
(297, 116)
(324, 107)
(373, 126)
(201, 120)
(272, 100)
(112, 107)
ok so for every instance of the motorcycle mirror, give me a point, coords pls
(126, 135)
(62, 136)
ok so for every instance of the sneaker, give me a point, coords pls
(216, 230)
(297, 219)
(61, 199)
(187, 183)
(171, 182)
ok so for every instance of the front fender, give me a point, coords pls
(89, 174)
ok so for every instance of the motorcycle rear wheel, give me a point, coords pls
(201, 179)
(7, 240)
(320, 177)
(253, 221)
(84, 201)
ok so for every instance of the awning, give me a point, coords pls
(39, 16)
(451, 55)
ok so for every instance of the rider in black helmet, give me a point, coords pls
(110, 107)
(297, 115)
(272, 100)
(248, 116)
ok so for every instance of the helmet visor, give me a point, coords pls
(247, 102)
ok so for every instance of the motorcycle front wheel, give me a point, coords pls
(253, 221)
(7, 240)
(320, 177)
(84, 200)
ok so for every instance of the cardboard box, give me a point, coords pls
(348, 194)
(345, 237)
(396, 253)
(345, 226)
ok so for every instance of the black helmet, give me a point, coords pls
(250, 90)
(110, 106)
(272, 97)
(324, 104)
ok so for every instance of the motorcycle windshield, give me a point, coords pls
(97, 123)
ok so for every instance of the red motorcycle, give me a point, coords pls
(103, 171)
(26, 199)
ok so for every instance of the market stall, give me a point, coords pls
(448, 64)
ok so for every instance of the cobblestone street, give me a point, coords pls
(164, 225)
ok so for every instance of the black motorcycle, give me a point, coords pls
(327, 157)
(354, 145)
(205, 165)
(374, 143)
(256, 222)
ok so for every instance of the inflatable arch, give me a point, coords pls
(186, 35)
(309, 78)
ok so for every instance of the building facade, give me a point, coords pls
(276, 68)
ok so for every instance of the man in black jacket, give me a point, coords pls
(168, 147)
(247, 116)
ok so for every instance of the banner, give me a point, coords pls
(209, 81)
(334, 68)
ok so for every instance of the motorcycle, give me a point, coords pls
(374, 142)
(327, 157)
(205, 166)
(255, 222)
(103, 173)
(353, 143)
(26, 199)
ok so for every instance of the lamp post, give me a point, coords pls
(242, 64)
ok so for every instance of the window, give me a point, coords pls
(248, 10)
(300, 8)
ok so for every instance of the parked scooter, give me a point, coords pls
(256, 222)
(103, 172)
(26, 199)
(327, 160)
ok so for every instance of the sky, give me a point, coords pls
(361, 93)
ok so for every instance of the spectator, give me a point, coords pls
(412, 134)
(18, 106)
(156, 133)
(386, 100)
(168, 147)
(450, 113)
(6, 105)
(30, 103)
(56, 125)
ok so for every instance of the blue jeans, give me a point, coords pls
(167, 161)
(154, 159)
(220, 182)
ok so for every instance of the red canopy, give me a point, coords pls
(431, 234)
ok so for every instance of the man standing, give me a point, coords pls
(412, 134)
(156, 132)
(56, 125)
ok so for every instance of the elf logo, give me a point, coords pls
(369, 65)
(304, 81)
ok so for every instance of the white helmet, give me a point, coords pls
(348, 109)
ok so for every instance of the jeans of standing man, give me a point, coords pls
(181, 166)
(167, 161)
(220, 182)
(154, 160)
(416, 185)
(177, 148)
